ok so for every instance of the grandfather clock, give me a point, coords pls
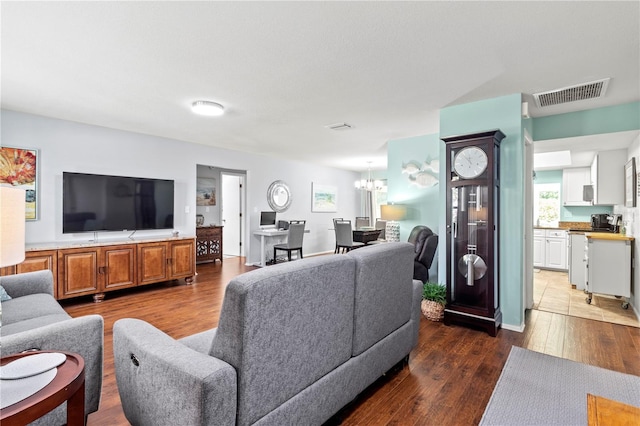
(473, 219)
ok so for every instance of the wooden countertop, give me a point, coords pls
(608, 236)
(55, 245)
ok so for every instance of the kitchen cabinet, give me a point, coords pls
(550, 248)
(607, 177)
(555, 251)
(576, 261)
(538, 247)
(573, 182)
(609, 260)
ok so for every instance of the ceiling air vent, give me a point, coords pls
(580, 92)
(339, 126)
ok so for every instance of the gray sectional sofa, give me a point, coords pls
(295, 343)
(33, 319)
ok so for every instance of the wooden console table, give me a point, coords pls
(94, 268)
(208, 243)
(68, 385)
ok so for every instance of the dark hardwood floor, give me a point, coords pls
(451, 373)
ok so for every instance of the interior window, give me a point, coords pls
(546, 204)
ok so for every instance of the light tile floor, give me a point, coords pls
(553, 293)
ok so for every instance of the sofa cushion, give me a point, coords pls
(29, 307)
(31, 324)
(283, 327)
(383, 292)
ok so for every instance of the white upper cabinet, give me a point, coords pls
(607, 177)
(573, 182)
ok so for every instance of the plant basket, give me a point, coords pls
(432, 310)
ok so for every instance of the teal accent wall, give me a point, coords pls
(422, 202)
(574, 213)
(502, 113)
(618, 118)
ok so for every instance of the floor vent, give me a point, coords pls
(339, 126)
(580, 92)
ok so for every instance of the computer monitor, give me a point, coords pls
(267, 219)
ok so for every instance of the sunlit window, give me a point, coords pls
(546, 204)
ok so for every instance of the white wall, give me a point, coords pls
(632, 216)
(75, 147)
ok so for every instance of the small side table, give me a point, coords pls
(68, 385)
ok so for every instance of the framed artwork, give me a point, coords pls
(324, 198)
(19, 167)
(206, 192)
(630, 183)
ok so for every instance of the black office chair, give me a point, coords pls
(294, 240)
(425, 245)
(344, 236)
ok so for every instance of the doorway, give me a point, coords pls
(232, 213)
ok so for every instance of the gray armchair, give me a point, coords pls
(33, 319)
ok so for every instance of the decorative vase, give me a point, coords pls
(433, 311)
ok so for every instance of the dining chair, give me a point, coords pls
(382, 226)
(344, 237)
(362, 221)
(294, 240)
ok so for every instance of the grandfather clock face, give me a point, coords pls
(472, 207)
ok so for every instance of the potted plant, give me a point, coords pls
(434, 298)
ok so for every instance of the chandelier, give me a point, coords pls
(369, 184)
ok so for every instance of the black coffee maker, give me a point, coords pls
(600, 223)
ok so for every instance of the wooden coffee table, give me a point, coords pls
(68, 385)
(603, 412)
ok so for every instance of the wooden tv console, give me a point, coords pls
(96, 268)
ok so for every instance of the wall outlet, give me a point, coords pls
(187, 209)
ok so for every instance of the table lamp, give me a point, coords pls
(12, 219)
(392, 213)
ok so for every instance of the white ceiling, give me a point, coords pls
(285, 70)
(582, 148)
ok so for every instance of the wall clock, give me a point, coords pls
(473, 206)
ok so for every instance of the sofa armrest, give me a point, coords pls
(83, 335)
(163, 382)
(19, 285)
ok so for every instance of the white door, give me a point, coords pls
(232, 195)
(529, 251)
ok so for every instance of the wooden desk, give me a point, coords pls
(366, 236)
(603, 412)
(265, 235)
(68, 385)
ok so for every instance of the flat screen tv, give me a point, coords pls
(267, 219)
(92, 203)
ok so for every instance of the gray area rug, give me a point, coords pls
(539, 389)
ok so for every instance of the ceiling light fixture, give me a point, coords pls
(207, 108)
(369, 184)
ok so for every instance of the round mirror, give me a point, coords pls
(279, 196)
